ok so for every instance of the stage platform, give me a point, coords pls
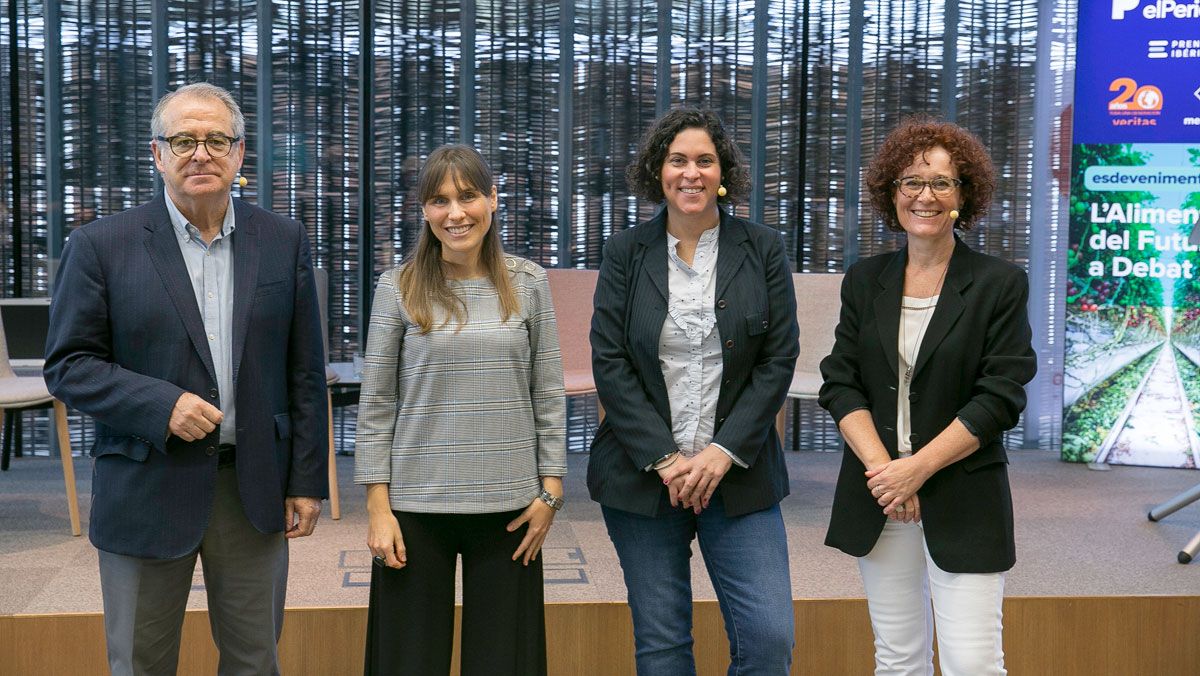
(1096, 588)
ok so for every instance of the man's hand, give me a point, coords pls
(300, 516)
(193, 418)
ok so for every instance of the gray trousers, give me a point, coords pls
(245, 573)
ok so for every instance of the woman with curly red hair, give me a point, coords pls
(932, 352)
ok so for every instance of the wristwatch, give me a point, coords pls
(556, 503)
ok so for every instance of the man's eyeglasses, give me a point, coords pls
(941, 186)
(217, 145)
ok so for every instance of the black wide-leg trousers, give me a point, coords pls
(410, 623)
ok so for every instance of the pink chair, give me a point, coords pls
(572, 291)
(818, 305)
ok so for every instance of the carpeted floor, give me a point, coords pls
(1079, 533)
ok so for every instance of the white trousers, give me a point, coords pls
(900, 578)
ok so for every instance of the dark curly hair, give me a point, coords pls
(918, 134)
(644, 174)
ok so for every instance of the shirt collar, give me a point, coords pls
(706, 237)
(185, 230)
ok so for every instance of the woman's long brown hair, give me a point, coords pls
(422, 280)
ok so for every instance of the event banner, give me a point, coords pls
(1131, 374)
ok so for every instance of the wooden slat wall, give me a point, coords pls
(1065, 636)
(614, 91)
(315, 128)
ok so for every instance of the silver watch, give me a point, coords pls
(556, 503)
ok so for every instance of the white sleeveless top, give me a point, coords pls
(915, 315)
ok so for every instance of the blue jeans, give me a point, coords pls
(747, 560)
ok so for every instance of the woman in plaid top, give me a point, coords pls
(461, 438)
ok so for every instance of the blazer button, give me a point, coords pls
(721, 304)
(914, 439)
(729, 343)
(913, 397)
(729, 381)
(212, 393)
(720, 420)
(211, 450)
(766, 323)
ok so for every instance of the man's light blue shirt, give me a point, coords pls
(210, 267)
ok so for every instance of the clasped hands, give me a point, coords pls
(692, 481)
(894, 486)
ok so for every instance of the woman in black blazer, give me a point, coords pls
(694, 341)
(928, 369)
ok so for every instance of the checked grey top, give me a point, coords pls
(463, 421)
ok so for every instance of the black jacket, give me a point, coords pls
(756, 318)
(127, 339)
(973, 364)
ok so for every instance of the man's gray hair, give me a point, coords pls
(198, 90)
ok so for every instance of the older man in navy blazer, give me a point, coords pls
(188, 329)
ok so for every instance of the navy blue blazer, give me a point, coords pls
(126, 340)
(973, 364)
(756, 318)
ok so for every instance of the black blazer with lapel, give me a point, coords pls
(126, 340)
(973, 364)
(756, 318)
